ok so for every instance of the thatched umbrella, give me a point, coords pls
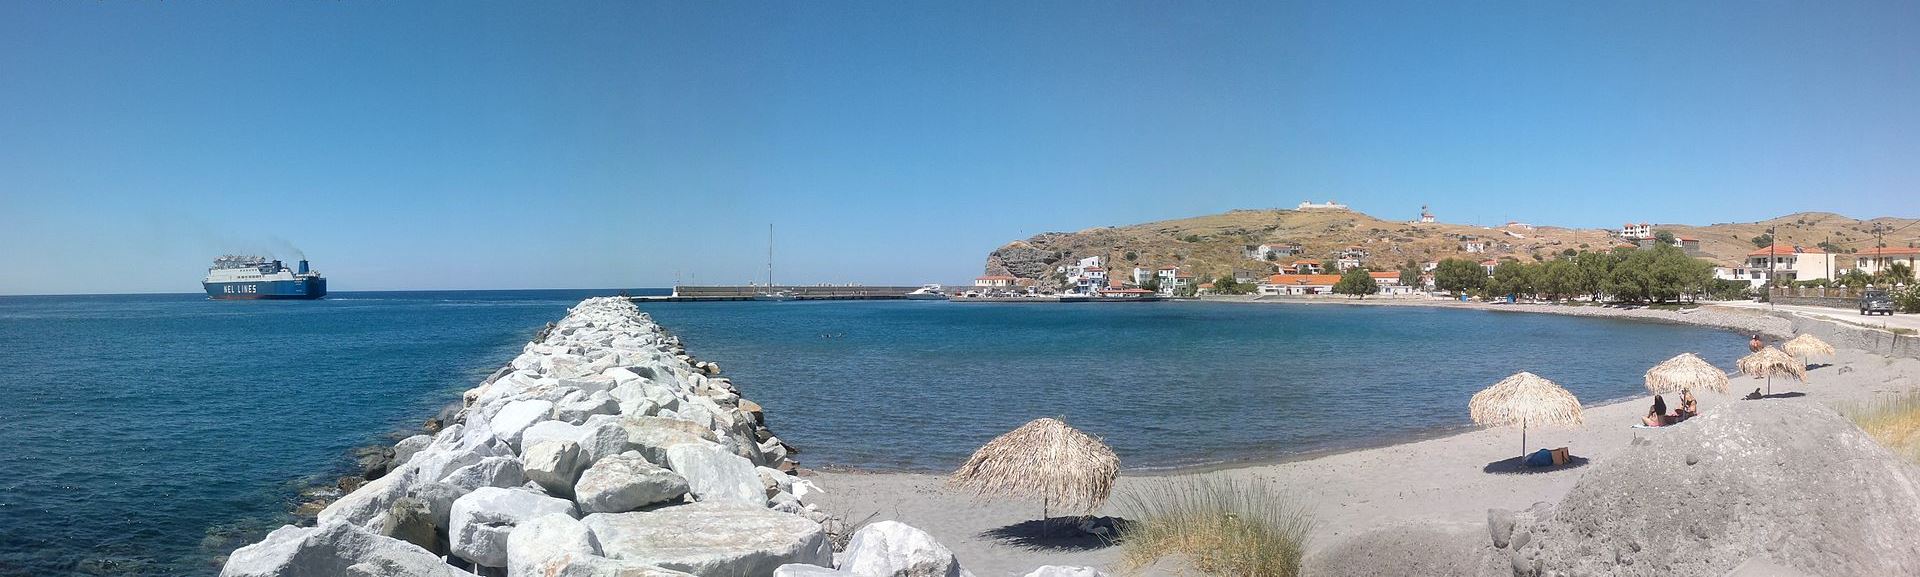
(1043, 458)
(1685, 371)
(1524, 399)
(1771, 361)
(1807, 346)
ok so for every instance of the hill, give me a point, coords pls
(1217, 245)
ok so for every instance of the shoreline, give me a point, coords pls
(1721, 317)
(1444, 481)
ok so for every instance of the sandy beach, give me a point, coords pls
(1438, 481)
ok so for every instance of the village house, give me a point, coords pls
(994, 281)
(1172, 280)
(1752, 276)
(1308, 266)
(1298, 284)
(1117, 289)
(1488, 265)
(1084, 275)
(1641, 231)
(1791, 263)
(1874, 260)
(1328, 205)
(1389, 282)
(1473, 246)
(1271, 251)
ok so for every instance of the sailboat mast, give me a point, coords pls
(769, 256)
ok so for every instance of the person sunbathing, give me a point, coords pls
(1689, 406)
(1657, 415)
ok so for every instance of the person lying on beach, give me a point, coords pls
(1657, 415)
(1689, 406)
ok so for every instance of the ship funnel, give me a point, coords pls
(303, 266)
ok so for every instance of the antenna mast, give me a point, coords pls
(769, 256)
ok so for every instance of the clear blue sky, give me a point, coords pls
(424, 145)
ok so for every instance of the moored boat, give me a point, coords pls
(239, 277)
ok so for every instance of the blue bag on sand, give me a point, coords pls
(1540, 458)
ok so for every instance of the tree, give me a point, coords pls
(1897, 273)
(1357, 282)
(1763, 241)
(1410, 274)
(1132, 256)
(1664, 237)
(1458, 276)
(1855, 278)
(1558, 279)
(1152, 284)
(1509, 278)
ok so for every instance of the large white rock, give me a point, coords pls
(624, 483)
(712, 538)
(555, 465)
(363, 505)
(503, 472)
(895, 549)
(406, 448)
(583, 565)
(576, 412)
(532, 543)
(600, 436)
(481, 521)
(799, 570)
(333, 550)
(1065, 571)
(713, 474)
(513, 419)
(439, 498)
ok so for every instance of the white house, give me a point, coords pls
(1299, 284)
(1752, 276)
(1172, 279)
(1874, 260)
(994, 281)
(1328, 205)
(1086, 274)
(1426, 217)
(1631, 231)
(1794, 263)
(1473, 246)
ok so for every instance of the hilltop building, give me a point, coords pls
(1426, 217)
(1329, 205)
(1641, 231)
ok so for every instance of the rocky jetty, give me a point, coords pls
(601, 450)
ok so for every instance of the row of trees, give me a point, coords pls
(1660, 274)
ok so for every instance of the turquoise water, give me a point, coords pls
(150, 434)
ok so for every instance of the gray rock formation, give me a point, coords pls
(1786, 480)
(502, 472)
(546, 541)
(712, 538)
(555, 465)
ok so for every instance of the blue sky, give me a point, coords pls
(424, 145)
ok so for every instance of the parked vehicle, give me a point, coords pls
(1875, 301)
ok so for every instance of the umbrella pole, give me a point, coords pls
(1043, 508)
(1523, 438)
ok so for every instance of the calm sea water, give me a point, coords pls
(149, 434)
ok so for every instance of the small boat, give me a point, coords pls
(932, 292)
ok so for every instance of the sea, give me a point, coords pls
(153, 434)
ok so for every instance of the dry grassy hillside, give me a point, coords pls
(1216, 245)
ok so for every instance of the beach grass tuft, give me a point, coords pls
(1893, 420)
(1221, 525)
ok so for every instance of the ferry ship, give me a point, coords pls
(251, 277)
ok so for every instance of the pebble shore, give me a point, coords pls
(601, 450)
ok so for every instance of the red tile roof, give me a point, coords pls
(1304, 279)
(1786, 249)
(1889, 251)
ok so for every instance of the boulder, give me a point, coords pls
(583, 565)
(513, 419)
(481, 521)
(370, 500)
(503, 472)
(439, 498)
(1786, 479)
(895, 549)
(534, 542)
(713, 474)
(626, 482)
(406, 448)
(411, 520)
(774, 481)
(798, 570)
(555, 465)
(598, 438)
(712, 538)
(332, 550)
(1065, 571)
(577, 412)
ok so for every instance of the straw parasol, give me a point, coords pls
(1771, 361)
(1524, 399)
(1806, 346)
(1043, 458)
(1685, 371)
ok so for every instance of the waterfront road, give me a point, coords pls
(1851, 316)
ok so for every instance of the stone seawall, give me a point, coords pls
(602, 450)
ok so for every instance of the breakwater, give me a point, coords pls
(601, 450)
(602, 446)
